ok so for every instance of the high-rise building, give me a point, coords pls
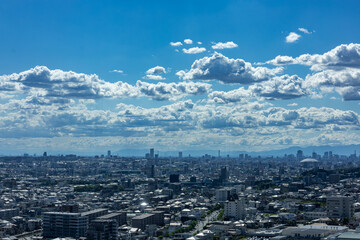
(224, 174)
(299, 155)
(180, 154)
(108, 153)
(340, 207)
(235, 209)
(222, 195)
(150, 171)
(152, 153)
(61, 224)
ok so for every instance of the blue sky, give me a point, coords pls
(234, 96)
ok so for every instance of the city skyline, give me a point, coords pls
(236, 76)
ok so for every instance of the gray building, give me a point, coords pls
(61, 224)
(103, 229)
(339, 207)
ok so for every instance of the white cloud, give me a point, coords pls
(292, 104)
(282, 60)
(344, 55)
(175, 44)
(117, 71)
(282, 87)
(172, 91)
(46, 87)
(346, 82)
(304, 30)
(227, 70)
(194, 50)
(292, 37)
(188, 41)
(233, 96)
(156, 70)
(154, 77)
(221, 45)
(199, 43)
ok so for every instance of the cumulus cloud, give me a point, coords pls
(61, 84)
(283, 87)
(227, 70)
(233, 96)
(188, 41)
(346, 82)
(52, 87)
(175, 44)
(194, 50)
(221, 45)
(292, 37)
(156, 70)
(282, 60)
(172, 91)
(154, 77)
(344, 55)
(280, 87)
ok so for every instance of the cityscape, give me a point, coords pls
(208, 197)
(185, 120)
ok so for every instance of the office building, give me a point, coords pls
(91, 215)
(119, 217)
(103, 229)
(340, 207)
(142, 221)
(155, 217)
(60, 224)
(224, 174)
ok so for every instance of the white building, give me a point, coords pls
(312, 231)
(223, 194)
(235, 209)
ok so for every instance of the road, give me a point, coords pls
(200, 225)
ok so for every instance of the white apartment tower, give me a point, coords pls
(235, 209)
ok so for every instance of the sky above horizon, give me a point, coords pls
(190, 75)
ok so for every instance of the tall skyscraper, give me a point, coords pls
(180, 154)
(224, 174)
(299, 155)
(152, 153)
(109, 153)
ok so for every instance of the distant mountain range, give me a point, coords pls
(341, 150)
